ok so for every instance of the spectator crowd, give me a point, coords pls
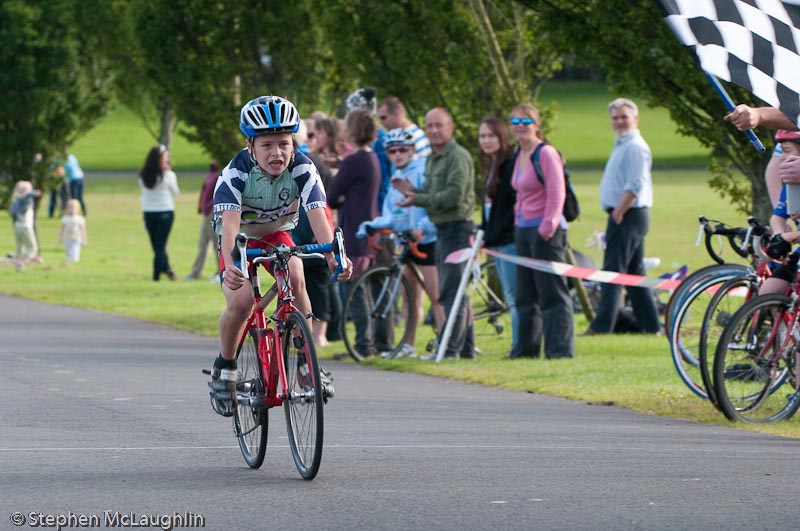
(380, 169)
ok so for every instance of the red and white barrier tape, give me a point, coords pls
(567, 270)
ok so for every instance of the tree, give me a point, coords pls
(642, 58)
(427, 53)
(54, 85)
(206, 58)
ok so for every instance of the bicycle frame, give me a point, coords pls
(270, 344)
(789, 320)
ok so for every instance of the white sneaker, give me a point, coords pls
(408, 351)
(387, 354)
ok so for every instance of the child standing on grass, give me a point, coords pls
(22, 213)
(73, 231)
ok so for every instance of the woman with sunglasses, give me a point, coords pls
(400, 150)
(499, 197)
(544, 305)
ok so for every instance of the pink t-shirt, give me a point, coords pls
(537, 202)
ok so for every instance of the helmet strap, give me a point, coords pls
(251, 149)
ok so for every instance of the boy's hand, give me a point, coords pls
(234, 279)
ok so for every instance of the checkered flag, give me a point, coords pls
(752, 43)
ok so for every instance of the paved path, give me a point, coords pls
(103, 413)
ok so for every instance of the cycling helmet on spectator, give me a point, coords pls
(268, 115)
(787, 136)
(398, 137)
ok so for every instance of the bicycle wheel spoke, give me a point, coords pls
(303, 403)
(754, 366)
(686, 336)
(378, 315)
(250, 422)
(730, 297)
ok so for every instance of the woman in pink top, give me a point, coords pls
(544, 305)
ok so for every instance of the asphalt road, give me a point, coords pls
(104, 415)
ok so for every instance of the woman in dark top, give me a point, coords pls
(354, 194)
(497, 165)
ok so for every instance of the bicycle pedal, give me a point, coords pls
(207, 372)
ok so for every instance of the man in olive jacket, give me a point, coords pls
(448, 195)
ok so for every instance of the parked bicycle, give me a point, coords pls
(755, 365)
(702, 304)
(277, 361)
(391, 315)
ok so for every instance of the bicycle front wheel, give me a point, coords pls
(303, 403)
(690, 282)
(754, 359)
(250, 421)
(729, 298)
(685, 337)
(377, 313)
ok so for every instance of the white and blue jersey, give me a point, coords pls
(267, 204)
(406, 218)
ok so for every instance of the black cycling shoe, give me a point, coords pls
(223, 387)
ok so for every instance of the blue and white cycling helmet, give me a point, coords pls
(268, 115)
(398, 137)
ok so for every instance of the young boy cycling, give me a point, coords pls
(259, 193)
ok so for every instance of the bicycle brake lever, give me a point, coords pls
(241, 247)
(339, 252)
(747, 236)
(699, 235)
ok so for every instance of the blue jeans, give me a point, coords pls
(544, 303)
(507, 272)
(625, 254)
(76, 192)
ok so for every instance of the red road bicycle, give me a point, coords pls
(277, 361)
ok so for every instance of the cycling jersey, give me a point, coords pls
(267, 204)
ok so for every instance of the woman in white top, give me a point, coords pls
(159, 188)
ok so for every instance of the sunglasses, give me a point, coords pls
(393, 150)
(522, 121)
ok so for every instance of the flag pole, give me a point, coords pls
(731, 106)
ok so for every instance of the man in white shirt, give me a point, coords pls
(626, 194)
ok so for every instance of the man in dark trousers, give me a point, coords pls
(626, 194)
(448, 195)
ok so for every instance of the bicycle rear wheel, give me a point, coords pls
(303, 405)
(729, 298)
(751, 365)
(377, 313)
(250, 420)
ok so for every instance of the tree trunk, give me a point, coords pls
(167, 117)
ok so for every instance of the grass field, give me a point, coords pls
(630, 371)
(580, 130)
